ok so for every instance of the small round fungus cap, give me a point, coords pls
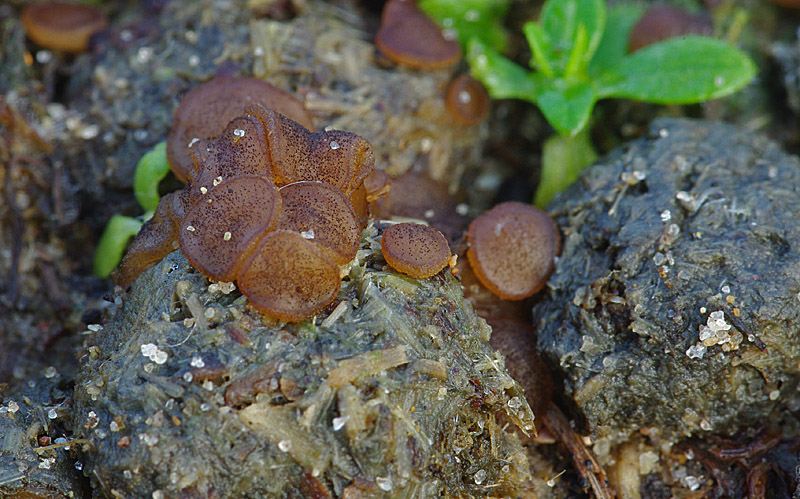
(408, 36)
(416, 250)
(223, 226)
(321, 214)
(467, 100)
(62, 26)
(512, 249)
(207, 109)
(289, 277)
(661, 22)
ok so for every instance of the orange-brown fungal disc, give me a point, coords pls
(342, 159)
(321, 214)
(415, 249)
(407, 36)
(512, 249)
(415, 195)
(377, 185)
(224, 225)
(467, 100)
(205, 111)
(62, 26)
(358, 200)
(661, 22)
(157, 238)
(289, 277)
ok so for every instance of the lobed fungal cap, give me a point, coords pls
(512, 249)
(408, 36)
(224, 225)
(322, 214)
(467, 100)
(62, 26)
(289, 277)
(341, 159)
(206, 110)
(414, 249)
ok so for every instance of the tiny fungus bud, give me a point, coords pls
(467, 100)
(661, 22)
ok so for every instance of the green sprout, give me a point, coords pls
(579, 56)
(151, 169)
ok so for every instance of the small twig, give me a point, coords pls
(46, 448)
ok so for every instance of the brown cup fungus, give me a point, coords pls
(233, 223)
(205, 111)
(661, 22)
(65, 27)
(512, 249)
(409, 37)
(467, 100)
(289, 277)
(416, 250)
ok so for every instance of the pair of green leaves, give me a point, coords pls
(579, 51)
(150, 170)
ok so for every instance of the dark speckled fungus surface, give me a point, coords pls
(415, 249)
(206, 110)
(512, 249)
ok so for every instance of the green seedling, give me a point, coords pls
(480, 19)
(579, 56)
(150, 171)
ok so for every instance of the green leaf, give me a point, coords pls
(679, 71)
(540, 48)
(561, 20)
(567, 105)
(563, 159)
(614, 43)
(481, 19)
(113, 242)
(150, 170)
(502, 78)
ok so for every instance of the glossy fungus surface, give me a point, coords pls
(661, 22)
(408, 36)
(512, 249)
(206, 110)
(414, 249)
(62, 26)
(289, 277)
(467, 100)
(321, 214)
(222, 227)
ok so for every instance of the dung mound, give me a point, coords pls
(392, 391)
(674, 304)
